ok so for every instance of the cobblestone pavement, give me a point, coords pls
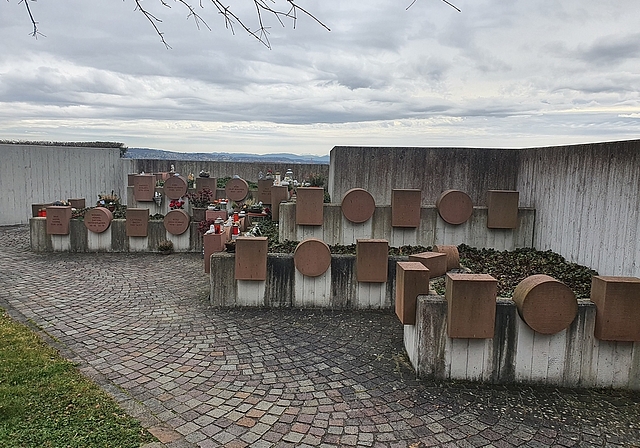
(140, 325)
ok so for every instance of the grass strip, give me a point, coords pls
(45, 402)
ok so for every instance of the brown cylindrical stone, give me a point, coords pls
(98, 219)
(547, 305)
(177, 222)
(237, 189)
(454, 206)
(175, 187)
(312, 257)
(453, 257)
(358, 205)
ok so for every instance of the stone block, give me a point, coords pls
(502, 208)
(547, 305)
(58, 218)
(309, 206)
(213, 242)
(175, 187)
(358, 205)
(207, 182)
(436, 262)
(279, 194)
(35, 208)
(454, 206)
(137, 223)
(412, 280)
(453, 256)
(215, 214)
(617, 302)
(471, 305)
(312, 257)
(372, 260)
(251, 258)
(405, 208)
(77, 203)
(264, 190)
(144, 187)
(98, 219)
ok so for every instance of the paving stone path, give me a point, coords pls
(140, 325)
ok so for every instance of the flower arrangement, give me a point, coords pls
(176, 204)
(108, 200)
(165, 246)
(204, 173)
(191, 181)
(201, 198)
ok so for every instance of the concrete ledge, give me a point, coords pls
(114, 239)
(570, 358)
(286, 287)
(431, 230)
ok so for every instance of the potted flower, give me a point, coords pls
(199, 202)
(165, 247)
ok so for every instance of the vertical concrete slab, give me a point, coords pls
(224, 291)
(281, 284)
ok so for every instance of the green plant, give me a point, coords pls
(165, 246)
(201, 198)
(46, 402)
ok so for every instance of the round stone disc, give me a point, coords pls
(358, 205)
(312, 257)
(175, 187)
(454, 206)
(237, 189)
(176, 222)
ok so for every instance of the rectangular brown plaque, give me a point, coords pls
(207, 182)
(137, 221)
(144, 187)
(372, 260)
(251, 258)
(405, 208)
(309, 206)
(278, 194)
(264, 190)
(213, 242)
(436, 262)
(502, 209)
(58, 218)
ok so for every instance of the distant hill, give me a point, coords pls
(158, 154)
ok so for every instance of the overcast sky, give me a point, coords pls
(498, 74)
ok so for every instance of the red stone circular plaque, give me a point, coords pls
(175, 187)
(312, 257)
(98, 219)
(454, 206)
(547, 305)
(237, 189)
(176, 222)
(358, 205)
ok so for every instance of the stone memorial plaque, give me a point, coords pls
(77, 203)
(175, 187)
(137, 221)
(310, 206)
(358, 205)
(405, 208)
(58, 218)
(176, 222)
(207, 182)
(312, 257)
(237, 189)
(143, 187)
(264, 190)
(454, 206)
(98, 219)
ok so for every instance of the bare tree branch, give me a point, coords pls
(231, 19)
(35, 33)
(448, 3)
